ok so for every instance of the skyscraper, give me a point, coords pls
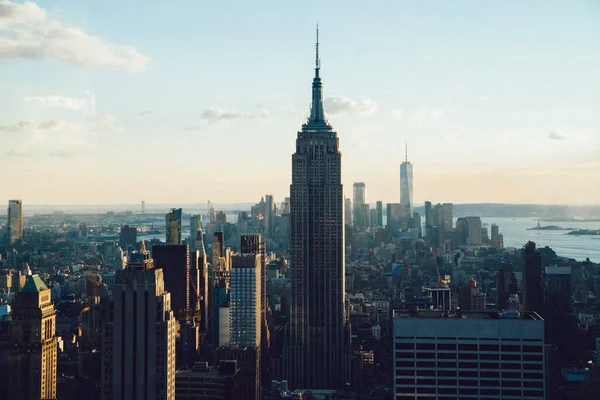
(245, 295)
(318, 345)
(199, 277)
(195, 226)
(127, 236)
(173, 221)
(29, 368)
(174, 260)
(406, 186)
(360, 206)
(139, 339)
(469, 355)
(447, 217)
(348, 212)
(533, 299)
(15, 221)
(379, 210)
(269, 214)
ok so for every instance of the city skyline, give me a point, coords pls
(500, 109)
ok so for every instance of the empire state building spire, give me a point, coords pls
(317, 115)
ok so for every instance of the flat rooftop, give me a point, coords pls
(457, 314)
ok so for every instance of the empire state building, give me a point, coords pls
(317, 351)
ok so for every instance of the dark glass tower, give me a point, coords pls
(318, 345)
(532, 272)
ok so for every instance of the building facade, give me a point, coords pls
(406, 187)
(29, 365)
(245, 295)
(469, 356)
(317, 351)
(138, 357)
(533, 299)
(174, 260)
(360, 208)
(15, 221)
(173, 226)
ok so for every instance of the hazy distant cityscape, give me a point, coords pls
(326, 292)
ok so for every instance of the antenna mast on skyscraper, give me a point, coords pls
(317, 61)
(406, 152)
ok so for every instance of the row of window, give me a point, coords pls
(466, 382)
(474, 365)
(470, 347)
(469, 356)
(482, 374)
(467, 391)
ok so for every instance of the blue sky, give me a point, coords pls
(188, 101)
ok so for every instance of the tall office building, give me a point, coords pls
(269, 216)
(496, 239)
(348, 212)
(360, 206)
(29, 363)
(428, 221)
(139, 338)
(406, 186)
(417, 224)
(252, 244)
(174, 260)
(447, 215)
(317, 352)
(379, 213)
(246, 301)
(195, 226)
(14, 231)
(127, 236)
(394, 217)
(533, 299)
(474, 233)
(218, 248)
(373, 218)
(469, 355)
(506, 285)
(173, 221)
(199, 276)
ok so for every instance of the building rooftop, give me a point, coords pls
(458, 314)
(34, 284)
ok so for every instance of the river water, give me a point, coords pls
(578, 247)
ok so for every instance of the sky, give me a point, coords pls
(114, 102)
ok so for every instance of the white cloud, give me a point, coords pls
(32, 126)
(145, 112)
(460, 87)
(556, 135)
(104, 122)
(486, 98)
(17, 154)
(26, 32)
(20, 13)
(214, 114)
(426, 115)
(343, 105)
(73, 103)
(397, 114)
(61, 154)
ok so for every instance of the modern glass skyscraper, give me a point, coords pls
(318, 345)
(406, 187)
(15, 221)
